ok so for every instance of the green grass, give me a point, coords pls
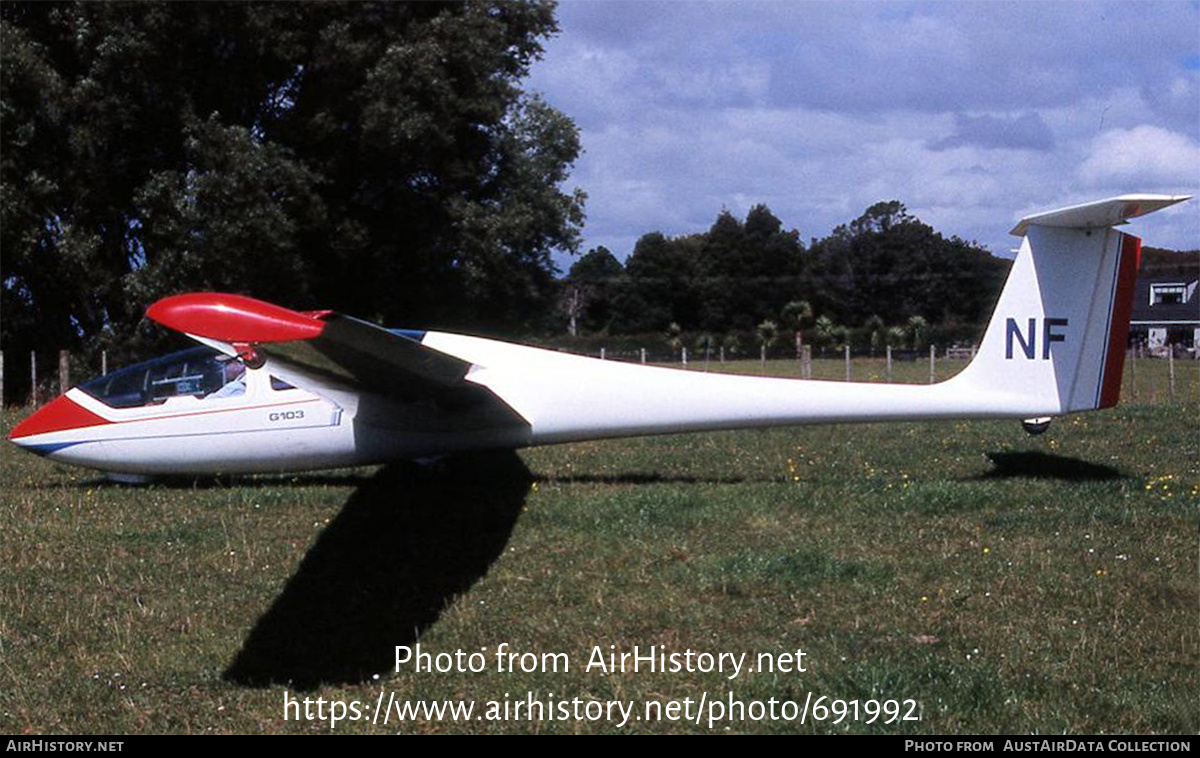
(1050, 588)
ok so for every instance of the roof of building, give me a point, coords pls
(1151, 290)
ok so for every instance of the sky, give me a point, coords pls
(972, 114)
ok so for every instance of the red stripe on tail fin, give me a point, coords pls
(1118, 331)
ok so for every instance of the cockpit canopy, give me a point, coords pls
(199, 372)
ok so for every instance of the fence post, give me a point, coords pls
(104, 363)
(64, 372)
(847, 347)
(32, 378)
(806, 362)
(602, 354)
(1130, 356)
(683, 352)
(932, 360)
(643, 355)
(889, 363)
(1171, 367)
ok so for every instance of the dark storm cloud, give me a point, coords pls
(1025, 132)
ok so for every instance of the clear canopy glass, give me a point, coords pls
(199, 372)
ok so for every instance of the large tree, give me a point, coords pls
(378, 158)
(733, 276)
(588, 291)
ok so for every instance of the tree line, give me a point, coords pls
(884, 278)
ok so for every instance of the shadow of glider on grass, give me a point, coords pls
(273, 389)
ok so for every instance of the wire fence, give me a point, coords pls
(1147, 378)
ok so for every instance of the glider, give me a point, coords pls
(272, 389)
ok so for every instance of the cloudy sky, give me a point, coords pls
(971, 113)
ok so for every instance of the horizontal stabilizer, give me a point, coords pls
(1100, 214)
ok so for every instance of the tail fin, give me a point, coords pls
(1056, 342)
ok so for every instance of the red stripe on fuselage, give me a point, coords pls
(61, 414)
(214, 411)
(59, 420)
(1118, 333)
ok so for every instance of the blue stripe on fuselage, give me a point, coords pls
(51, 447)
(416, 335)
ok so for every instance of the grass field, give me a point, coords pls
(965, 574)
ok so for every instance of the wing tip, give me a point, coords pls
(234, 318)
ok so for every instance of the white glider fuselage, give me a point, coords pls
(570, 398)
(321, 390)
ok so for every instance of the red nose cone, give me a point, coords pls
(61, 414)
(233, 318)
